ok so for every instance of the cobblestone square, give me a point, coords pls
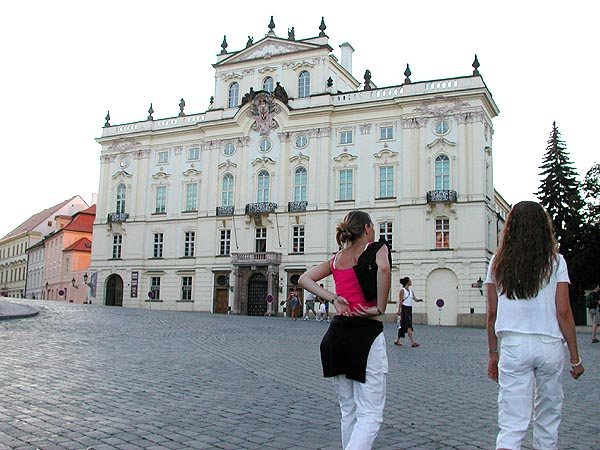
(95, 377)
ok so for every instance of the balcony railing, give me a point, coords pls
(225, 210)
(117, 217)
(255, 259)
(253, 209)
(442, 196)
(297, 206)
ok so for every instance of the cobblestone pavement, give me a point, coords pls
(94, 377)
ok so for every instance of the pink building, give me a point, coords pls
(67, 257)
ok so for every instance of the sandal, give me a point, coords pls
(415, 345)
(398, 344)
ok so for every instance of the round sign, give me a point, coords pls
(439, 302)
(61, 292)
(269, 298)
(150, 295)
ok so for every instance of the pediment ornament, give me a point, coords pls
(299, 158)
(231, 76)
(263, 160)
(121, 174)
(228, 164)
(385, 153)
(161, 175)
(442, 142)
(267, 69)
(191, 172)
(268, 49)
(345, 156)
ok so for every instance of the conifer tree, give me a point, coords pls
(559, 193)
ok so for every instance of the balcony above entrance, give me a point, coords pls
(117, 217)
(297, 206)
(442, 196)
(256, 259)
(254, 209)
(225, 210)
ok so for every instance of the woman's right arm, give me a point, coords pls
(567, 326)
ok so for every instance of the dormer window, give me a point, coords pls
(268, 84)
(234, 93)
(304, 84)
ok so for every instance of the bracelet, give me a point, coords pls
(577, 364)
(379, 312)
(334, 299)
(493, 350)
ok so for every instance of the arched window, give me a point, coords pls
(234, 91)
(300, 181)
(442, 173)
(121, 191)
(227, 190)
(304, 84)
(262, 193)
(268, 84)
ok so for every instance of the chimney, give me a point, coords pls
(347, 51)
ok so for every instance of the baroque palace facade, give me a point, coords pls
(222, 210)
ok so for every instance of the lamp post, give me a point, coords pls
(47, 292)
(89, 285)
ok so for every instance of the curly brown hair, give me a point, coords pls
(524, 260)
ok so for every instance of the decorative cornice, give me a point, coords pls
(365, 128)
(414, 122)
(231, 76)
(121, 174)
(299, 158)
(471, 117)
(123, 145)
(298, 65)
(284, 136)
(433, 108)
(267, 69)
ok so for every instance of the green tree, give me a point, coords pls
(591, 194)
(591, 227)
(559, 193)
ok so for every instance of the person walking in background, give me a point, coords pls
(353, 350)
(405, 304)
(309, 305)
(294, 301)
(594, 306)
(529, 312)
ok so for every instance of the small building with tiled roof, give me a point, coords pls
(14, 245)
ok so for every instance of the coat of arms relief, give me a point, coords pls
(262, 111)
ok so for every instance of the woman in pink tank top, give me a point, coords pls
(353, 351)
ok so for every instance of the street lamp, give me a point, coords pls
(73, 282)
(85, 277)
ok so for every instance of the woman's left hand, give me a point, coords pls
(493, 366)
(365, 311)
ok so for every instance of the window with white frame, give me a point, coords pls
(442, 232)
(345, 184)
(386, 231)
(298, 239)
(157, 246)
(233, 94)
(163, 157)
(155, 287)
(227, 190)
(300, 182)
(346, 137)
(268, 84)
(386, 133)
(442, 173)
(304, 84)
(191, 196)
(194, 153)
(229, 149)
(186, 288)
(261, 240)
(121, 191)
(161, 199)
(116, 246)
(189, 238)
(386, 181)
(262, 191)
(225, 242)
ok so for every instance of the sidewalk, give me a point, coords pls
(9, 310)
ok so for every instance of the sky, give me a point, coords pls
(66, 63)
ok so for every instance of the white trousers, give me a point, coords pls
(530, 375)
(362, 404)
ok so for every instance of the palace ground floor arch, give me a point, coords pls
(442, 284)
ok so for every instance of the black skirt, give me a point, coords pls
(345, 347)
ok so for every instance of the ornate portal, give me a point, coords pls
(262, 111)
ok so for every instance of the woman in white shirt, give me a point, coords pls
(529, 311)
(405, 304)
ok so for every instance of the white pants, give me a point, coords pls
(530, 375)
(362, 404)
